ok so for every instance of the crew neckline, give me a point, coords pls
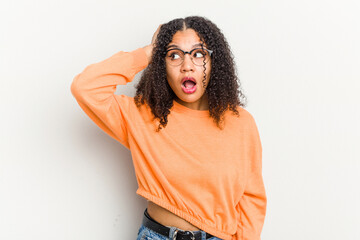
(177, 107)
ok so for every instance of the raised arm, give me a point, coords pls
(95, 86)
(94, 89)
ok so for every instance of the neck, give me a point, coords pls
(201, 104)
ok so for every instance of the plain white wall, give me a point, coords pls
(61, 177)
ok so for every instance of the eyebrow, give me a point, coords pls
(176, 46)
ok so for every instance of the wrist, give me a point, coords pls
(148, 50)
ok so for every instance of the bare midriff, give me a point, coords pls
(167, 218)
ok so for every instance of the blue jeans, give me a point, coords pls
(145, 233)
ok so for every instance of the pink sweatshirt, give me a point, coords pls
(212, 178)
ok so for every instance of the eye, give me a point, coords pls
(174, 56)
(199, 54)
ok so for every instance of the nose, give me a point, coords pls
(187, 64)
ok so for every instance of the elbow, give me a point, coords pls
(75, 87)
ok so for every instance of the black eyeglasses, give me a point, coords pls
(199, 56)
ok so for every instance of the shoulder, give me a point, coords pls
(244, 123)
(245, 117)
(251, 126)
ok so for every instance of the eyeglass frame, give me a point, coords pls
(186, 52)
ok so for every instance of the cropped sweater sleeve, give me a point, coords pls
(251, 208)
(208, 176)
(95, 86)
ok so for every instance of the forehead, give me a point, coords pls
(185, 39)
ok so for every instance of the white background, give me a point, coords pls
(61, 177)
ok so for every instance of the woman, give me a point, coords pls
(196, 151)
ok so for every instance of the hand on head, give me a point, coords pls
(149, 48)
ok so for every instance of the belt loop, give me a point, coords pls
(172, 234)
(203, 235)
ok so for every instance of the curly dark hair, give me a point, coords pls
(223, 91)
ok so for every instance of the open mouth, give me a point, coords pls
(188, 82)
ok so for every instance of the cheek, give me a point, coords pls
(170, 73)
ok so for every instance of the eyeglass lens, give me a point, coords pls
(198, 56)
